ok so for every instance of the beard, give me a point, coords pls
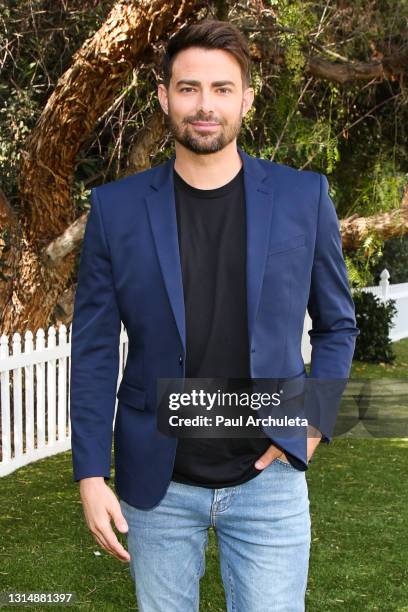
(203, 143)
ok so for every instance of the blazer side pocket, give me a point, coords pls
(132, 396)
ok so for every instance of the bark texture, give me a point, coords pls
(355, 229)
(39, 275)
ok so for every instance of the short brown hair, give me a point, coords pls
(209, 34)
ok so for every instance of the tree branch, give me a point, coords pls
(69, 240)
(146, 143)
(355, 229)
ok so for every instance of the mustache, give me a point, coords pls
(201, 118)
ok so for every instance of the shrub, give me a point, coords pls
(374, 319)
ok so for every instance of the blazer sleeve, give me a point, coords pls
(95, 337)
(331, 308)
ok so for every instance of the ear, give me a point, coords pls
(163, 98)
(247, 100)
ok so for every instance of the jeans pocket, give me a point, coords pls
(284, 462)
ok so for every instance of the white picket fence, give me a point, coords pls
(34, 384)
(398, 292)
(34, 395)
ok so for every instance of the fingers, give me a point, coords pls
(100, 507)
(106, 537)
(266, 459)
(119, 519)
(101, 543)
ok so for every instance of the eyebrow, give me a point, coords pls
(197, 83)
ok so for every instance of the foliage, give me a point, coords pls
(38, 40)
(374, 320)
(17, 117)
(354, 133)
(394, 258)
(364, 258)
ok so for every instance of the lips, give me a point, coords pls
(205, 123)
(205, 126)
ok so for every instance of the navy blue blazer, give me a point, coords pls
(130, 271)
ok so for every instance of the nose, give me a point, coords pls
(206, 103)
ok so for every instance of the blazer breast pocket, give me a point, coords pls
(288, 244)
(131, 396)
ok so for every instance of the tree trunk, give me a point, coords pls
(146, 143)
(29, 294)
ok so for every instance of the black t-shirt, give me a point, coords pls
(212, 239)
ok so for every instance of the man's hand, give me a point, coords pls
(313, 439)
(100, 506)
(270, 455)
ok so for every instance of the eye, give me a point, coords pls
(187, 89)
(224, 89)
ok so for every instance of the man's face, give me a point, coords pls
(205, 101)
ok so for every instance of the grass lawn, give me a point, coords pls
(358, 489)
(384, 370)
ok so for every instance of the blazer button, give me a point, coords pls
(181, 359)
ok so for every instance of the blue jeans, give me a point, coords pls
(263, 532)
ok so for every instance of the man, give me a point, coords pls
(210, 260)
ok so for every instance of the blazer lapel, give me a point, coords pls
(259, 205)
(161, 207)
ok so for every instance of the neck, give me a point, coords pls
(208, 171)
